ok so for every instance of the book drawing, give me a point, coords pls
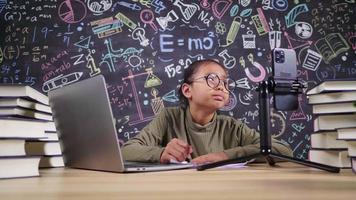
(331, 46)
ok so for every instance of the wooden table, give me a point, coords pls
(258, 181)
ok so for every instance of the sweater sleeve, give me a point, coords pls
(147, 145)
(248, 143)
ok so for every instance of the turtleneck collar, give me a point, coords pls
(197, 127)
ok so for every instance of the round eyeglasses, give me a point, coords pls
(213, 81)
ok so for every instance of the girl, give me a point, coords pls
(195, 130)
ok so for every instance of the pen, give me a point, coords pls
(189, 158)
(188, 148)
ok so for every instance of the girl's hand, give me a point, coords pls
(176, 150)
(211, 157)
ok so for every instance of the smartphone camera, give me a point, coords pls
(279, 56)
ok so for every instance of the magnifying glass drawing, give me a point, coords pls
(147, 17)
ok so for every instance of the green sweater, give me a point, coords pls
(223, 133)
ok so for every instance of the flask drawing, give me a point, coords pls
(188, 10)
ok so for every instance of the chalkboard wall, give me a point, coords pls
(143, 46)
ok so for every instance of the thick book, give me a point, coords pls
(51, 161)
(351, 147)
(347, 133)
(24, 103)
(333, 85)
(21, 128)
(333, 122)
(336, 158)
(349, 107)
(50, 126)
(47, 148)
(19, 166)
(12, 147)
(327, 140)
(50, 136)
(22, 91)
(332, 97)
(353, 164)
(26, 113)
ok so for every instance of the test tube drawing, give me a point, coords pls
(275, 39)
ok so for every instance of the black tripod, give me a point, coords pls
(286, 94)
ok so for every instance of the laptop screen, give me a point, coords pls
(84, 121)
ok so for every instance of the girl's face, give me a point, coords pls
(206, 91)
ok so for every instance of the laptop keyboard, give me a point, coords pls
(141, 164)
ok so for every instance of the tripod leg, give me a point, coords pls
(225, 162)
(270, 160)
(307, 163)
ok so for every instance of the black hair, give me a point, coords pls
(188, 74)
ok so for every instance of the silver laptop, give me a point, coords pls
(85, 126)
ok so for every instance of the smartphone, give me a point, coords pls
(284, 67)
(284, 64)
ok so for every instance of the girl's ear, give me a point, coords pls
(186, 90)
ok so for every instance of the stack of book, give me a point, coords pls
(334, 109)
(349, 136)
(25, 117)
(48, 148)
(13, 159)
